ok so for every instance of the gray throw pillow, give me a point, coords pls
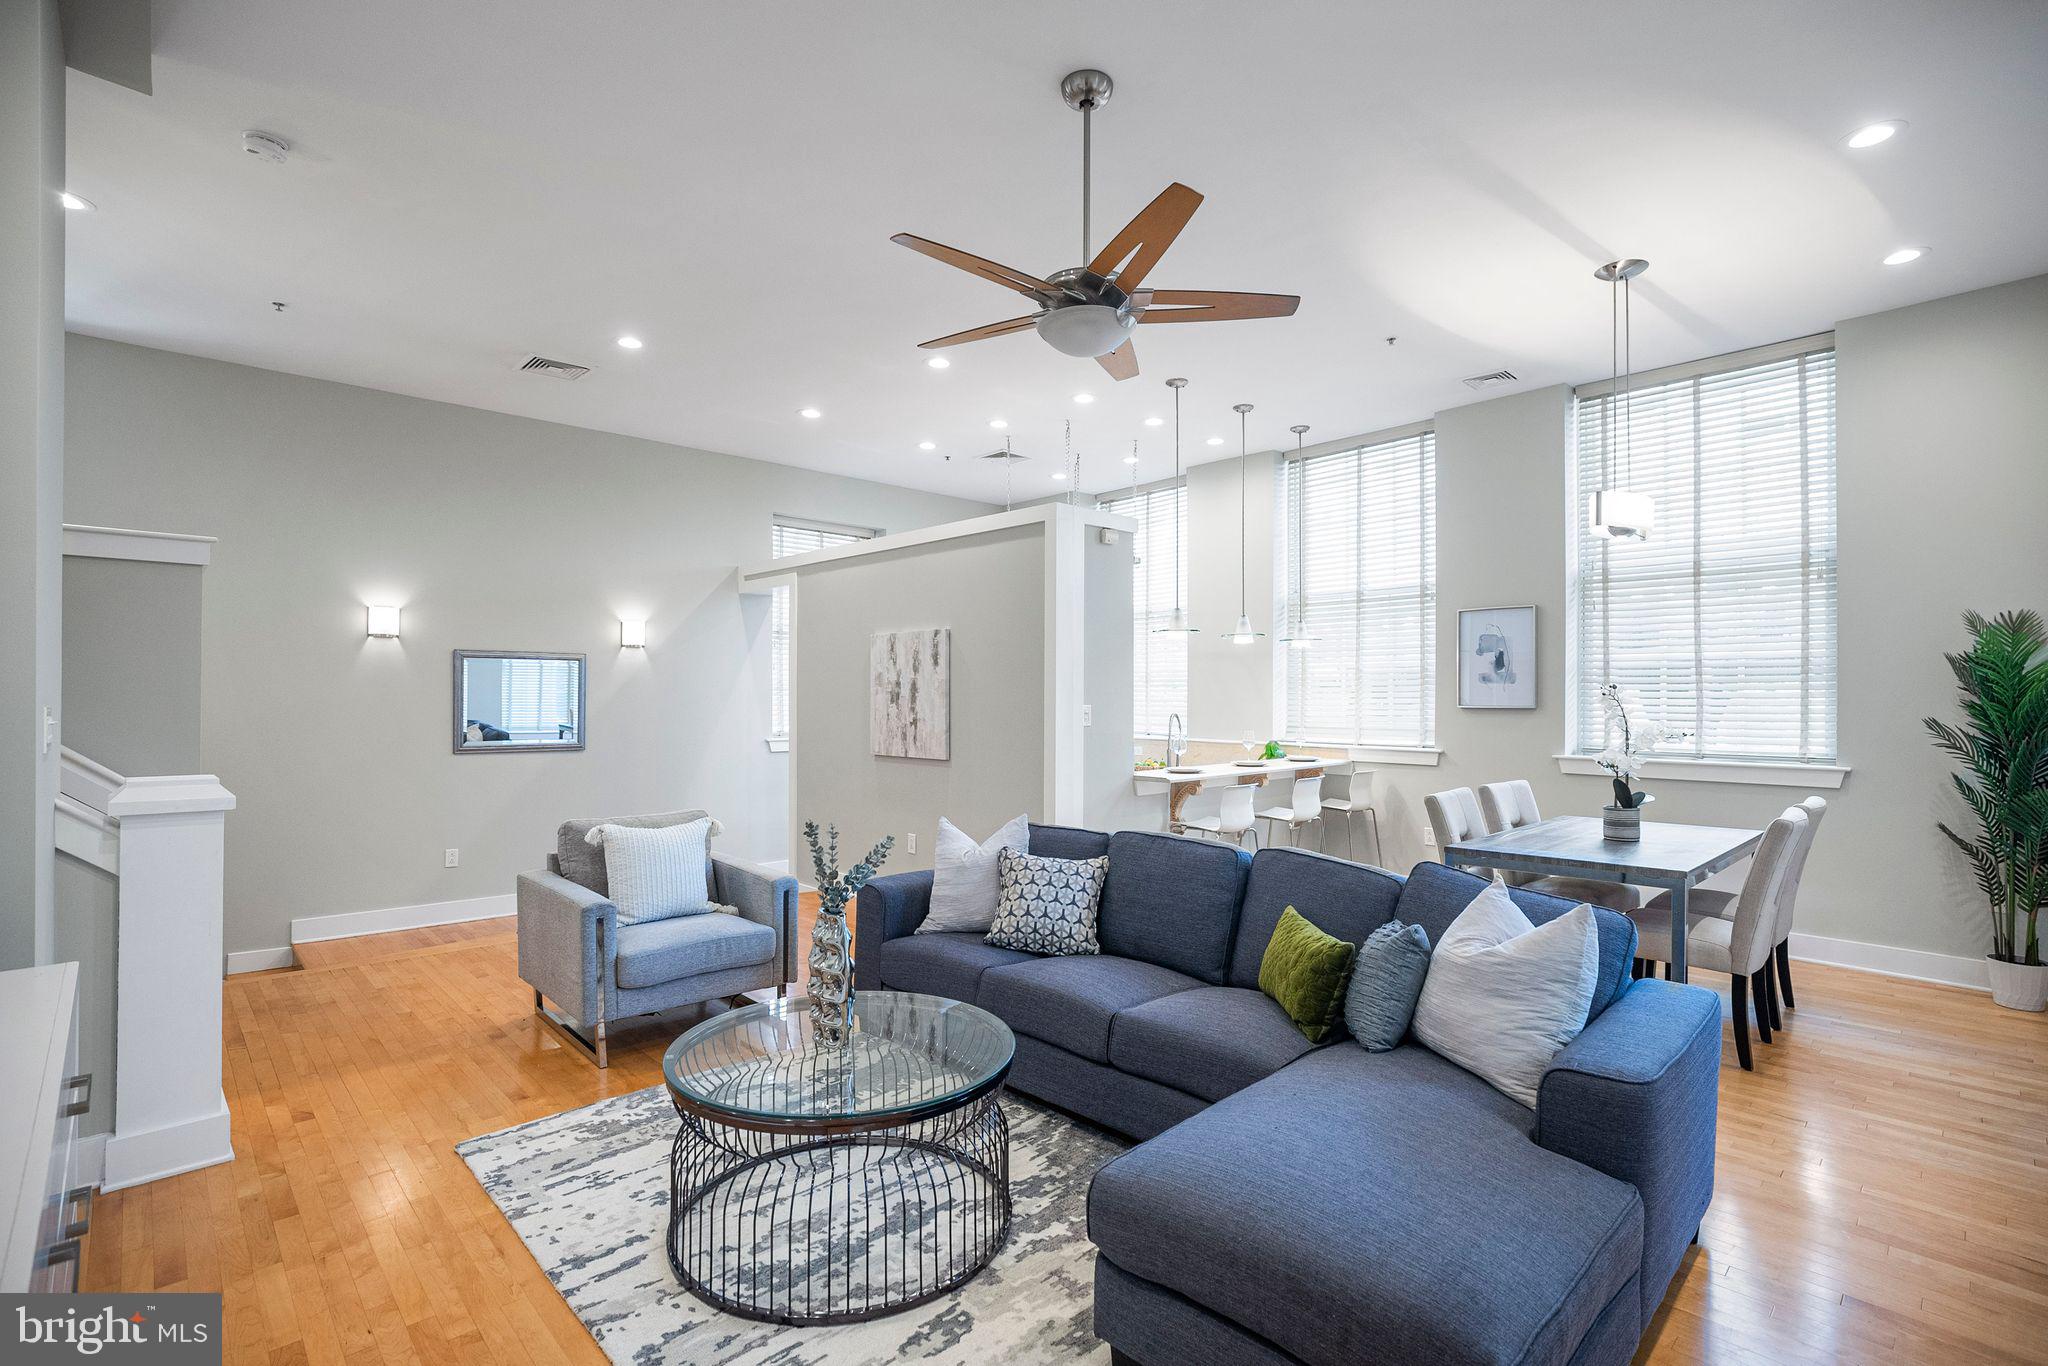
(1047, 905)
(1385, 984)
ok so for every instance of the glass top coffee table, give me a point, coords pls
(812, 1184)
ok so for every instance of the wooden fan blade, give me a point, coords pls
(974, 265)
(1000, 329)
(1135, 250)
(1121, 363)
(1215, 305)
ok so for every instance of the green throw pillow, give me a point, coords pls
(1305, 971)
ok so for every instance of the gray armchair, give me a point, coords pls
(574, 952)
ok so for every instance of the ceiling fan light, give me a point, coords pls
(1085, 330)
(1622, 514)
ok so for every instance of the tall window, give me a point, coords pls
(1358, 574)
(794, 538)
(1159, 663)
(1724, 619)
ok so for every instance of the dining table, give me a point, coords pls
(1183, 781)
(1669, 857)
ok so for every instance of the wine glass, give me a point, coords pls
(1250, 743)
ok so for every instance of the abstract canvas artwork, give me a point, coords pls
(1497, 657)
(910, 694)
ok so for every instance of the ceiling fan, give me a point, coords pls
(1090, 310)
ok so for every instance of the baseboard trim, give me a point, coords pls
(260, 960)
(132, 1159)
(1916, 964)
(311, 929)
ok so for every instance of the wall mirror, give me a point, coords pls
(517, 700)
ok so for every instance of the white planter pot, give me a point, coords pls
(2019, 986)
(1623, 824)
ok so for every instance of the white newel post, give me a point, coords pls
(170, 1113)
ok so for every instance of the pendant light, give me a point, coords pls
(1244, 634)
(1177, 622)
(1616, 511)
(1297, 637)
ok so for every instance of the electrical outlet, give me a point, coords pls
(1428, 838)
(911, 843)
(1087, 715)
(451, 858)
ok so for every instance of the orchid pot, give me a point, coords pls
(1624, 824)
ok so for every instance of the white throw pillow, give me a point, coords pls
(656, 872)
(1503, 996)
(964, 876)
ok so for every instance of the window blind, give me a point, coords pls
(1357, 548)
(793, 538)
(537, 697)
(1724, 619)
(1159, 663)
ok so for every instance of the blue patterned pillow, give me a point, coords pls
(1047, 905)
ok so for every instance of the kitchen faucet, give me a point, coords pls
(1176, 740)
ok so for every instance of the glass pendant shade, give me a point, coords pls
(1244, 634)
(1176, 623)
(1622, 514)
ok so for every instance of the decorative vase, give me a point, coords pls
(831, 988)
(2019, 986)
(1624, 824)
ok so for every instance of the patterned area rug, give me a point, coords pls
(587, 1191)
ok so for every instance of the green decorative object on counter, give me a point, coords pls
(1274, 750)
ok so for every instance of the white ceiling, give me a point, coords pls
(475, 182)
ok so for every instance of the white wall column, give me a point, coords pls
(170, 1113)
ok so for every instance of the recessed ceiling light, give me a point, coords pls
(1215, 441)
(927, 445)
(631, 343)
(1870, 134)
(998, 423)
(1905, 255)
(76, 203)
(811, 413)
(1155, 422)
(939, 363)
(1130, 460)
(1084, 398)
(1059, 474)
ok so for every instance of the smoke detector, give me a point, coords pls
(554, 369)
(269, 146)
(1495, 380)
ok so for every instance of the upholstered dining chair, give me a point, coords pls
(1512, 804)
(1453, 816)
(1232, 819)
(1711, 901)
(1305, 809)
(1347, 791)
(1742, 944)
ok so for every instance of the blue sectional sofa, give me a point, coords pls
(1298, 1204)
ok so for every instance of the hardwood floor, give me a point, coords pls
(1882, 1190)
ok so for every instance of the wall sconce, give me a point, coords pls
(382, 621)
(632, 634)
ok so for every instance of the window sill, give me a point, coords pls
(1417, 756)
(778, 744)
(1744, 772)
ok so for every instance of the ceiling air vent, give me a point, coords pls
(1000, 456)
(554, 369)
(1492, 381)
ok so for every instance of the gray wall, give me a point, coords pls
(1943, 470)
(131, 664)
(990, 589)
(31, 463)
(493, 532)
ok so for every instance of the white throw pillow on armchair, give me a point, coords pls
(1503, 996)
(964, 876)
(659, 871)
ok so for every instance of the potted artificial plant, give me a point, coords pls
(1631, 736)
(831, 961)
(2002, 744)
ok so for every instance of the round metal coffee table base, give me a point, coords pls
(841, 1227)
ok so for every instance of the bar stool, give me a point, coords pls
(1306, 810)
(1343, 794)
(1232, 819)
